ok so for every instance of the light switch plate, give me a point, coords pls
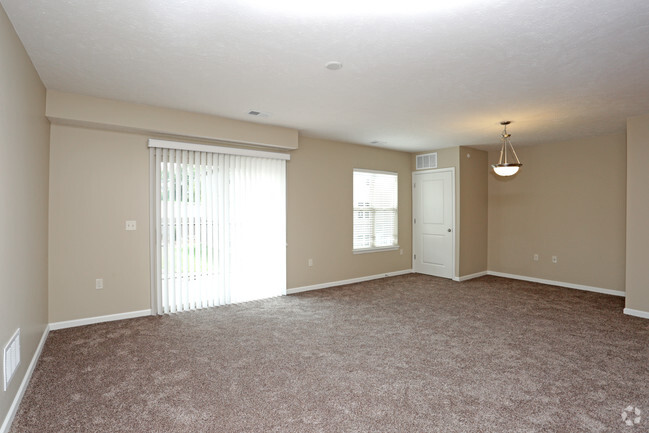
(131, 225)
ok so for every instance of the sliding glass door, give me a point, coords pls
(220, 226)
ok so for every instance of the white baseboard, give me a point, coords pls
(343, 282)
(471, 276)
(559, 283)
(99, 319)
(13, 409)
(637, 313)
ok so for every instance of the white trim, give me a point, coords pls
(559, 283)
(13, 409)
(375, 249)
(179, 145)
(434, 170)
(344, 282)
(637, 313)
(471, 276)
(365, 170)
(99, 319)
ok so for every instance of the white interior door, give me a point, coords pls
(433, 205)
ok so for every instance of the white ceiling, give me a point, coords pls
(439, 75)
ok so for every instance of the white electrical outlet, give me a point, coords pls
(131, 225)
(99, 283)
(536, 257)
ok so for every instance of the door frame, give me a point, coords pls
(455, 223)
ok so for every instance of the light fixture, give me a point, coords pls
(507, 166)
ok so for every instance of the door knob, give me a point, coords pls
(449, 230)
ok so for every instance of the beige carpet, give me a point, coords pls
(403, 354)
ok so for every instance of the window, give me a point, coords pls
(375, 210)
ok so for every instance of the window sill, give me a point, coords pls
(376, 250)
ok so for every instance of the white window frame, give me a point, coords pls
(355, 209)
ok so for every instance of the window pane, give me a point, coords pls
(375, 209)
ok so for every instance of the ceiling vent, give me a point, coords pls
(428, 160)
(258, 113)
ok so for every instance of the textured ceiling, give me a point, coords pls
(415, 79)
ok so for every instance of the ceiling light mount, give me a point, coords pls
(508, 164)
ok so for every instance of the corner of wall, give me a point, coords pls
(637, 215)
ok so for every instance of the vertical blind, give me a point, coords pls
(375, 209)
(220, 228)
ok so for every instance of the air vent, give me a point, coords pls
(11, 358)
(428, 160)
(258, 113)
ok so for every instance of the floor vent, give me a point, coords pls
(427, 160)
(11, 358)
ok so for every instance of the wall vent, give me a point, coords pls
(11, 358)
(428, 160)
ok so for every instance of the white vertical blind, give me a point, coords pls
(220, 223)
(375, 209)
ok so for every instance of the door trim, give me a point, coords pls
(455, 222)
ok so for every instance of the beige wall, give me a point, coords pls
(470, 205)
(568, 200)
(319, 214)
(473, 211)
(447, 158)
(637, 233)
(98, 180)
(23, 213)
(74, 109)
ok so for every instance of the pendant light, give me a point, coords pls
(508, 164)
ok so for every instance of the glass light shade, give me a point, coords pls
(506, 169)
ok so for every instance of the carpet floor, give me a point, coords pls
(411, 353)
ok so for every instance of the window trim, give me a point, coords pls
(180, 145)
(376, 249)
